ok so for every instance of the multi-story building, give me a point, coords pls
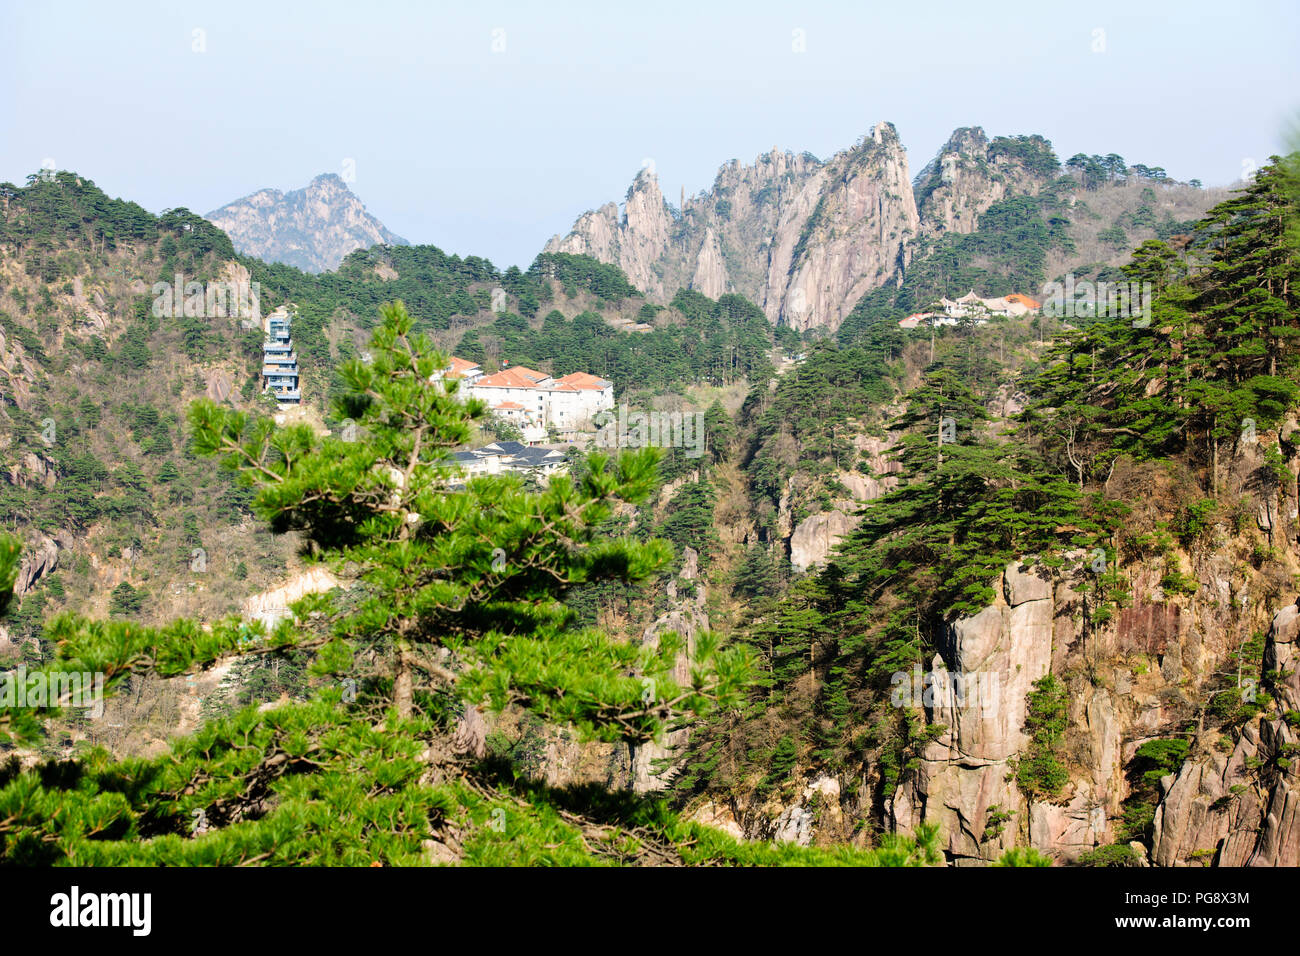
(573, 401)
(280, 362)
(535, 399)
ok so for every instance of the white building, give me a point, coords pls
(968, 305)
(458, 368)
(530, 427)
(973, 307)
(576, 398)
(565, 404)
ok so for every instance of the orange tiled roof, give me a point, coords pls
(515, 377)
(583, 380)
(1024, 300)
(460, 367)
(527, 372)
(510, 405)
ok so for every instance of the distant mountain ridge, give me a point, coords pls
(313, 228)
(806, 239)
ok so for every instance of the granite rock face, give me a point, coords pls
(1280, 652)
(271, 606)
(813, 539)
(816, 536)
(634, 240)
(33, 470)
(802, 238)
(1237, 809)
(17, 370)
(854, 238)
(1232, 802)
(710, 276)
(40, 560)
(1240, 808)
(650, 765)
(965, 778)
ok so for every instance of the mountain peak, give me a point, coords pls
(330, 179)
(313, 228)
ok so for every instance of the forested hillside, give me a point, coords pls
(379, 765)
(96, 472)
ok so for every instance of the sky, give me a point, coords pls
(485, 128)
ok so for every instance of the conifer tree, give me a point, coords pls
(10, 555)
(1220, 353)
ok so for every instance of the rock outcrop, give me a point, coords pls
(817, 535)
(710, 275)
(968, 176)
(1237, 809)
(854, 236)
(1232, 802)
(271, 606)
(1281, 651)
(635, 241)
(650, 763)
(1241, 808)
(965, 776)
(33, 470)
(564, 760)
(41, 559)
(18, 376)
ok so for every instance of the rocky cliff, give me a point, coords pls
(1147, 678)
(965, 775)
(313, 228)
(814, 537)
(1232, 802)
(854, 237)
(802, 238)
(1172, 655)
(1238, 803)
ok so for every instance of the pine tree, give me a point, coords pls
(1221, 350)
(10, 557)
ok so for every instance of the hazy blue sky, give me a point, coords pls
(491, 152)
